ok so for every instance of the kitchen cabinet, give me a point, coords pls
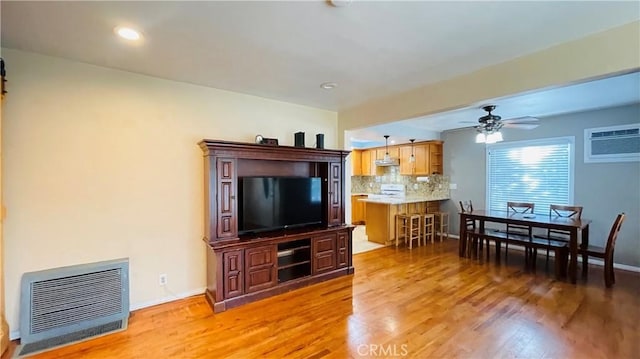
(356, 163)
(394, 152)
(420, 167)
(358, 209)
(368, 158)
(428, 159)
(435, 158)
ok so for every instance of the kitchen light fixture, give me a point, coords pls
(386, 145)
(127, 33)
(412, 158)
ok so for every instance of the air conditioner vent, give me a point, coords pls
(73, 303)
(612, 144)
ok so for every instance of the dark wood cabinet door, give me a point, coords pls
(342, 251)
(324, 253)
(335, 215)
(226, 198)
(260, 268)
(233, 273)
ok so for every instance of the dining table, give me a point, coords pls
(578, 229)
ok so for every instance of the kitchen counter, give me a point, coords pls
(402, 200)
(381, 214)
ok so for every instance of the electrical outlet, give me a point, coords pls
(162, 279)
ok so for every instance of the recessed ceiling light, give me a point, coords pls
(329, 85)
(127, 33)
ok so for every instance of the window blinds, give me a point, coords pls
(530, 171)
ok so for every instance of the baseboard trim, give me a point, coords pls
(167, 299)
(15, 334)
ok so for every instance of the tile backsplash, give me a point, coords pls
(438, 185)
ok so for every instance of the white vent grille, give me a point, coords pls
(60, 301)
(612, 144)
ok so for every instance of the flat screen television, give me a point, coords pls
(272, 203)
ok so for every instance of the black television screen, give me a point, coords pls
(270, 203)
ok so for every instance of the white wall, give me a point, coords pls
(603, 189)
(102, 164)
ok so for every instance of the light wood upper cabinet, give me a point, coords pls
(356, 163)
(428, 157)
(435, 158)
(394, 152)
(368, 158)
(421, 166)
(406, 166)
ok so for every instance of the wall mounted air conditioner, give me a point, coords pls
(612, 144)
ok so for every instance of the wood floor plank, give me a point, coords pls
(420, 303)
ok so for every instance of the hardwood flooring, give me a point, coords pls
(420, 303)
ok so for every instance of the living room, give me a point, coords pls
(100, 163)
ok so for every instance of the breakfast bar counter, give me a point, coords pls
(381, 214)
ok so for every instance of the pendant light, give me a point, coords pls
(386, 146)
(412, 158)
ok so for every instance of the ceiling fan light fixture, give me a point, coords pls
(494, 137)
(481, 138)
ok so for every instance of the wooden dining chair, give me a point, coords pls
(472, 239)
(605, 253)
(556, 210)
(518, 230)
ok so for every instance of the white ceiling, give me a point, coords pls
(285, 50)
(597, 94)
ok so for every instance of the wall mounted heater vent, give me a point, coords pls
(612, 144)
(69, 304)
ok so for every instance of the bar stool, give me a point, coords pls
(408, 227)
(442, 224)
(428, 227)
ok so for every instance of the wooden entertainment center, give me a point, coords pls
(245, 268)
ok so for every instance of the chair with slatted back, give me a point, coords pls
(605, 253)
(516, 229)
(556, 210)
(472, 239)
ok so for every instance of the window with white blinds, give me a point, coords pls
(539, 171)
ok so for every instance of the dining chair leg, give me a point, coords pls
(498, 245)
(547, 260)
(488, 248)
(585, 266)
(562, 256)
(506, 249)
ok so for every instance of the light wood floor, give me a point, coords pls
(424, 303)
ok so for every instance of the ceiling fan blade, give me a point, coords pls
(521, 119)
(522, 126)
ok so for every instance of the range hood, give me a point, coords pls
(388, 162)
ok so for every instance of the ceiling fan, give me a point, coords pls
(490, 123)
